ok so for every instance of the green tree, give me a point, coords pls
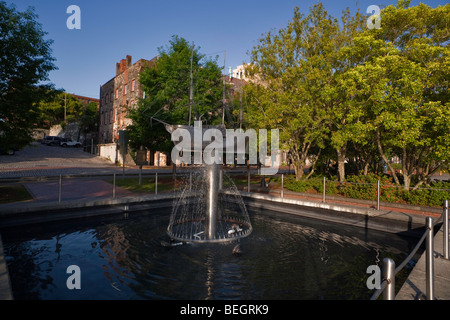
(294, 83)
(167, 87)
(25, 62)
(401, 89)
(57, 106)
(89, 118)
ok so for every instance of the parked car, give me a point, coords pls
(69, 143)
(52, 140)
(9, 152)
(43, 141)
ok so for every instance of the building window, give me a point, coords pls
(117, 93)
(125, 88)
(133, 84)
(111, 97)
(110, 116)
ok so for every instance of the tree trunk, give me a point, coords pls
(383, 156)
(341, 163)
(313, 165)
(297, 163)
(366, 168)
(298, 166)
(406, 170)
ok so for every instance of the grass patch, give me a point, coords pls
(242, 180)
(147, 185)
(15, 193)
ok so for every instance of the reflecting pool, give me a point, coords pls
(123, 257)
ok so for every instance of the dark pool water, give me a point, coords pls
(285, 257)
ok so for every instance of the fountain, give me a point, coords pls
(209, 208)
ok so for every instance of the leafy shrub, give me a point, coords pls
(433, 195)
(303, 185)
(365, 187)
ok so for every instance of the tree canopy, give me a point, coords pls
(167, 87)
(371, 94)
(25, 63)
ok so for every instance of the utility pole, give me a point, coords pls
(65, 105)
(223, 98)
(240, 109)
(191, 90)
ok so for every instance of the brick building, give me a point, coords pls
(118, 95)
(85, 100)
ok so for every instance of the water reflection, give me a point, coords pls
(285, 257)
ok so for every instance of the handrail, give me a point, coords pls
(428, 234)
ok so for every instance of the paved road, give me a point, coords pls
(42, 160)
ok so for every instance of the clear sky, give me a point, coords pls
(112, 29)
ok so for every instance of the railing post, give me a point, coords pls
(114, 186)
(248, 182)
(378, 195)
(282, 185)
(389, 277)
(445, 229)
(60, 189)
(429, 260)
(323, 191)
(156, 183)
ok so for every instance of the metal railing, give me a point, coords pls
(378, 186)
(389, 270)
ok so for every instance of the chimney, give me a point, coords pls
(123, 65)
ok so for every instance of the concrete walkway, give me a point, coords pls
(72, 189)
(415, 286)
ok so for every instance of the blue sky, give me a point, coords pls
(110, 30)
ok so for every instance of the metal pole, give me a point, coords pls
(248, 183)
(323, 192)
(114, 186)
(65, 106)
(446, 229)
(123, 160)
(191, 88)
(282, 185)
(224, 91)
(389, 277)
(212, 201)
(60, 189)
(156, 183)
(429, 260)
(378, 195)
